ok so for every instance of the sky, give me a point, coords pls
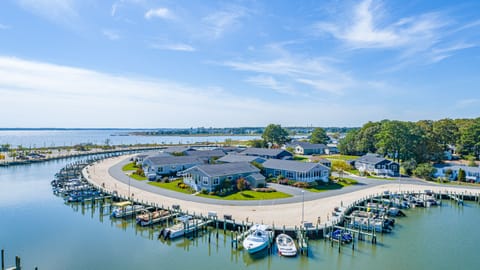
(154, 64)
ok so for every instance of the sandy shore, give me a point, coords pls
(266, 211)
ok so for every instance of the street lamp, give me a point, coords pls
(303, 205)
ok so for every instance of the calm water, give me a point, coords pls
(46, 232)
(49, 138)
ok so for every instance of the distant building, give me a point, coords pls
(159, 166)
(267, 153)
(331, 149)
(306, 148)
(296, 170)
(472, 174)
(210, 176)
(376, 164)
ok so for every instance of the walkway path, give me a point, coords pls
(287, 211)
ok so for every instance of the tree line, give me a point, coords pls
(421, 141)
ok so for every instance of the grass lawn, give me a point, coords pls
(340, 157)
(138, 177)
(248, 195)
(172, 186)
(129, 167)
(300, 158)
(333, 185)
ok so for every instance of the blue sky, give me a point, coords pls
(139, 63)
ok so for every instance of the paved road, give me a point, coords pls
(297, 195)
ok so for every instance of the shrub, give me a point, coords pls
(301, 185)
(266, 190)
(204, 191)
(212, 193)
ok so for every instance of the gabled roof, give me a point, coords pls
(240, 158)
(225, 169)
(256, 177)
(205, 153)
(372, 159)
(171, 160)
(177, 149)
(291, 165)
(307, 145)
(264, 152)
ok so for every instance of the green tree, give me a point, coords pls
(319, 136)
(275, 134)
(461, 175)
(470, 139)
(347, 145)
(425, 171)
(257, 143)
(242, 184)
(446, 132)
(448, 174)
(409, 166)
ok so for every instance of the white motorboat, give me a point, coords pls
(258, 238)
(286, 246)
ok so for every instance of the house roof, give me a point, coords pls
(307, 145)
(256, 176)
(291, 165)
(224, 169)
(264, 152)
(171, 160)
(240, 158)
(372, 159)
(177, 149)
(206, 153)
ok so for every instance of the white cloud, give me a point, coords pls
(173, 47)
(163, 13)
(316, 73)
(59, 11)
(418, 38)
(61, 96)
(111, 34)
(221, 21)
(4, 26)
(270, 82)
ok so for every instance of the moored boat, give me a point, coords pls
(286, 246)
(147, 218)
(258, 238)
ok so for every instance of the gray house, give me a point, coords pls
(472, 174)
(296, 170)
(206, 155)
(158, 166)
(210, 176)
(230, 158)
(267, 153)
(306, 148)
(377, 164)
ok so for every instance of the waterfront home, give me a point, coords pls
(306, 148)
(138, 159)
(296, 170)
(207, 156)
(325, 162)
(331, 149)
(376, 164)
(177, 150)
(210, 176)
(159, 166)
(472, 174)
(230, 158)
(267, 153)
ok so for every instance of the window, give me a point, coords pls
(216, 181)
(229, 177)
(205, 180)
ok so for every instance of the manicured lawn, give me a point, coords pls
(340, 157)
(172, 186)
(333, 185)
(129, 167)
(138, 177)
(248, 195)
(300, 158)
(379, 177)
